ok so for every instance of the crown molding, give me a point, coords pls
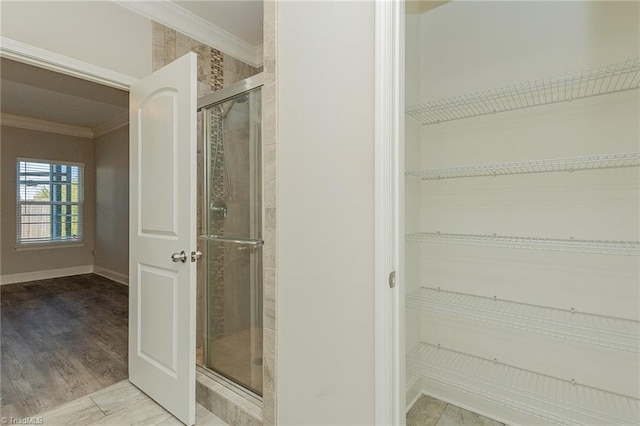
(22, 122)
(28, 54)
(259, 55)
(118, 121)
(170, 14)
(30, 123)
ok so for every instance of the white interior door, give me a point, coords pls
(162, 293)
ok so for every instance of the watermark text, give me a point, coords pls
(21, 420)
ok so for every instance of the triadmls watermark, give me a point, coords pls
(21, 420)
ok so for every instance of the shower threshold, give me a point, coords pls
(227, 400)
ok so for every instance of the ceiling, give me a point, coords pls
(416, 7)
(46, 95)
(242, 18)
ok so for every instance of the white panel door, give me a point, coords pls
(162, 293)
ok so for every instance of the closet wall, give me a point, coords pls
(522, 279)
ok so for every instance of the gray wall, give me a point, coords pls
(112, 201)
(45, 146)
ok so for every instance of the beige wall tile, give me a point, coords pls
(269, 358)
(269, 413)
(269, 308)
(157, 52)
(184, 44)
(269, 139)
(169, 45)
(269, 176)
(226, 404)
(236, 70)
(269, 252)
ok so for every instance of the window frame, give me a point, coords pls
(51, 243)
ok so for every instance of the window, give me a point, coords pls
(50, 199)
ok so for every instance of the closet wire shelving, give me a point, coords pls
(620, 248)
(555, 400)
(607, 161)
(552, 399)
(611, 332)
(596, 81)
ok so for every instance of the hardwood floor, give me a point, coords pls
(62, 339)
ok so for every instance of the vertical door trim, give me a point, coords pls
(389, 341)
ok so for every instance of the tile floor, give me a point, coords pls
(428, 411)
(121, 404)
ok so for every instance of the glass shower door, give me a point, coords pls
(232, 230)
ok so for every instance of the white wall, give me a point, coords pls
(97, 32)
(325, 292)
(471, 46)
(411, 266)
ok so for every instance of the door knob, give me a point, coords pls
(195, 255)
(179, 257)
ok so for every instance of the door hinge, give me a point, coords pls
(392, 279)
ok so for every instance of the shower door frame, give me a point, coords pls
(227, 93)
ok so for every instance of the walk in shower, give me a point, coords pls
(231, 234)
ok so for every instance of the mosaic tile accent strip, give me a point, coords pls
(217, 70)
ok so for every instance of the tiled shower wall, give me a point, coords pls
(217, 70)
(270, 198)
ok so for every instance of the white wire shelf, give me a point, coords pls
(611, 332)
(549, 398)
(600, 80)
(621, 248)
(608, 161)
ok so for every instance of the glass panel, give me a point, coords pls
(49, 202)
(232, 206)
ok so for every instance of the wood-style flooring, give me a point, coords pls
(121, 404)
(62, 338)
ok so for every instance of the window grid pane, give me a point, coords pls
(50, 201)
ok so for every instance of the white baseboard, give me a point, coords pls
(414, 392)
(44, 275)
(112, 275)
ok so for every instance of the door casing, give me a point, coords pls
(388, 191)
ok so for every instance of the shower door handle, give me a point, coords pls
(241, 241)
